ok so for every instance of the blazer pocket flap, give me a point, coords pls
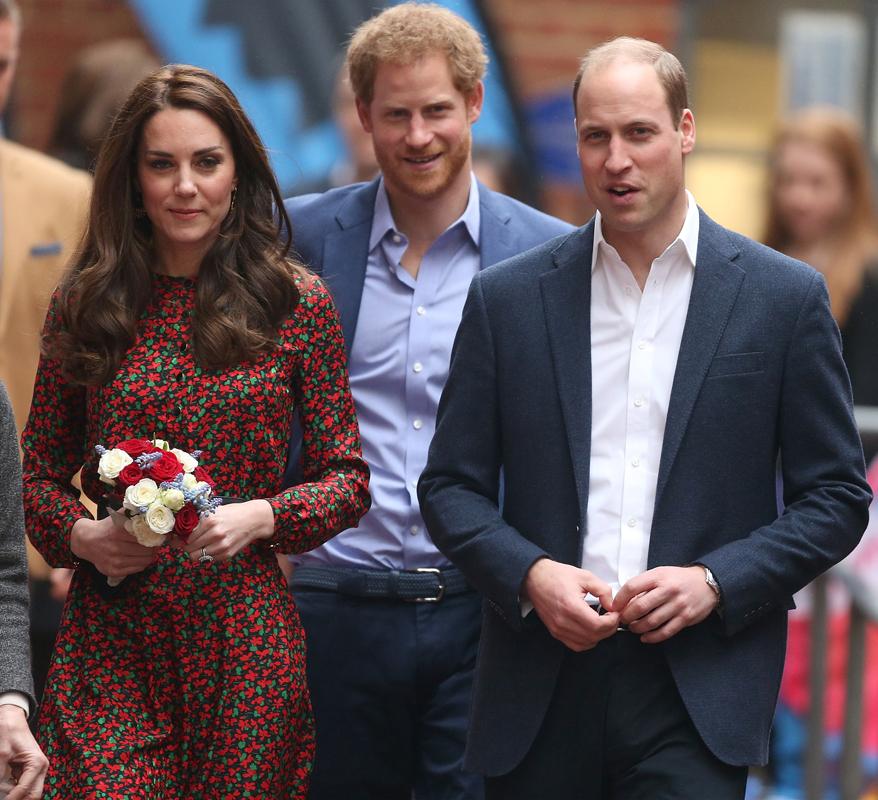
(736, 364)
(45, 249)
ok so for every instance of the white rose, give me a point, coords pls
(143, 533)
(144, 493)
(185, 460)
(160, 518)
(112, 463)
(172, 498)
(189, 481)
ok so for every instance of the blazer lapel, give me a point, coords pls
(714, 290)
(345, 252)
(496, 239)
(566, 295)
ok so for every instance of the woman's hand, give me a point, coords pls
(114, 551)
(230, 529)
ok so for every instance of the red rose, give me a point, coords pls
(165, 468)
(137, 447)
(130, 475)
(200, 474)
(185, 521)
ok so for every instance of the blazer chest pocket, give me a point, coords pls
(736, 364)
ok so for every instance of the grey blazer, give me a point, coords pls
(15, 674)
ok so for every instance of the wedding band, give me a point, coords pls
(205, 557)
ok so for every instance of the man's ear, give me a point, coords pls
(687, 131)
(363, 114)
(474, 101)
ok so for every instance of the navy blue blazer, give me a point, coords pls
(331, 237)
(759, 374)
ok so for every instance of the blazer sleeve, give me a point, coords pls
(825, 492)
(459, 489)
(15, 673)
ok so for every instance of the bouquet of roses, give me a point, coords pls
(159, 490)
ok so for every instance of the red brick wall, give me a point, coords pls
(54, 30)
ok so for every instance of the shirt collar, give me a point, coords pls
(382, 219)
(687, 237)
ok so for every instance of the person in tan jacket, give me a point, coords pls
(43, 205)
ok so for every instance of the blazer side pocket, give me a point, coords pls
(736, 364)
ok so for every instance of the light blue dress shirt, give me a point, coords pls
(398, 366)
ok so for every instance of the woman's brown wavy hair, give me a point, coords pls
(246, 284)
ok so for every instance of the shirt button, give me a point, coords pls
(641, 345)
(417, 366)
(632, 523)
(628, 290)
(397, 238)
(421, 311)
(635, 462)
(417, 424)
(639, 402)
(415, 530)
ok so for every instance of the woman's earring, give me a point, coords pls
(234, 198)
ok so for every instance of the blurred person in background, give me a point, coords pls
(358, 163)
(98, 82)
(43, 210)
(821, 210)
(392, 627)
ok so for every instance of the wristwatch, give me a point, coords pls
(711, 582)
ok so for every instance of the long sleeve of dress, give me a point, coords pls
(335, 493)
(53, 443)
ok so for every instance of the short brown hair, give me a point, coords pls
(406, 32)
(667, 67)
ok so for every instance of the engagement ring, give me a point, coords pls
(205, 557)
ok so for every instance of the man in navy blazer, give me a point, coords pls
(392, 627)
(628, 391)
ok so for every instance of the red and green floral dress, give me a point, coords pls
(190, 683)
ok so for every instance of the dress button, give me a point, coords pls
(639, 402)
(415, 530)
(417, 366)
(397, 238)
(421, 311)
(632, 523)
(417, 424)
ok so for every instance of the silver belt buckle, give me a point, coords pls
(439, 594)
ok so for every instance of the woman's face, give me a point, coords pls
(810, 192)
(186, 173)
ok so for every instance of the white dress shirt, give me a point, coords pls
(635, 340)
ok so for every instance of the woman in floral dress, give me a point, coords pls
(182, 317)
